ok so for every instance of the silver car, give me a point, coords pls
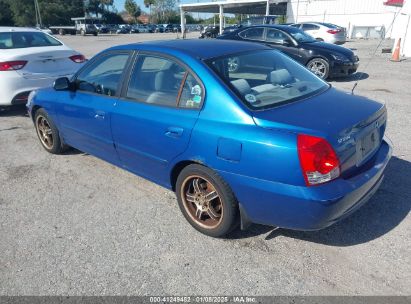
(321, 31)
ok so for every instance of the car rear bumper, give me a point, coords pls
(340, 69)
(307, 208)
(14, 86)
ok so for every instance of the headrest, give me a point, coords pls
(241, 86)
(281, 76)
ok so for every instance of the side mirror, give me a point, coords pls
(286, 42)
(62, 84)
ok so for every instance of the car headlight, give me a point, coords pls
(340, 57)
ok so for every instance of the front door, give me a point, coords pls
(281, 41)
(84, 114)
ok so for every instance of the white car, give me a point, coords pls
(31, 59)
(322, 31)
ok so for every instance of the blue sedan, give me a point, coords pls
(268, 143)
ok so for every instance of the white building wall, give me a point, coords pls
(346, 13)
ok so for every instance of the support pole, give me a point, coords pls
(183, 22)
(267, 9)
(221, 19)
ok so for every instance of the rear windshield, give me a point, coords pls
(330, 25)
(18, 40)
(266, 78)
(299, 35)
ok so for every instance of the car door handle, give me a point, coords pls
(99, 115)
(174, 132)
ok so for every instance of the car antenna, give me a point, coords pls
(374, 53)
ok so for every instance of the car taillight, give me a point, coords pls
(333, 32)
(78, 58)
(12, 65)
(318, 160)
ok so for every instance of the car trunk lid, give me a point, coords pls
(43, 62)
(353, 125)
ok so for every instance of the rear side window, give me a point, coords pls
(310, 27)
(103, 75)
(161, 81)
(254, 33)
(18, 40)
(276, 36)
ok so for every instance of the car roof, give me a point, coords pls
(4, 29)
(197, 48)
(277, 26)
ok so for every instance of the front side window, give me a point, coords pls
(254, 33)
(162, 81)
(103, 75)
(19, 40)
(267, 78)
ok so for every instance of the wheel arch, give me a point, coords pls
(34, 110)
(178, 167)
(318, 56)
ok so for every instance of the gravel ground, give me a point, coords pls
(75, 225)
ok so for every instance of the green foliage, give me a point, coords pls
(112, 18)
(6, 17)
(164, 11)
(59, 12)
(132, 8)
(53, 12)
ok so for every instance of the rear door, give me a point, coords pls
(153, 120)
(84, 115)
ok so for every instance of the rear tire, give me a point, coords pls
(47, 133)
(206, 201)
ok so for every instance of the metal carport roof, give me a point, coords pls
(247, 7)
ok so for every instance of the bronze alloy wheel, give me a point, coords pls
(44, 132)
(202, 201)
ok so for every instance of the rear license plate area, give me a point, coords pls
(366, 145)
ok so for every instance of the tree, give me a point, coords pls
(59, 12)
(132, 9)
(93, 7)
(112, 18)
(164, 10)
(148, 4)
(106, 5)
(6, 17)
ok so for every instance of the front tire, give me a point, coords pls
(47, 133)
(319, 67)
(206, 201)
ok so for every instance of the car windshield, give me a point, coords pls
(266, 78)
(18, 40)
(300, 35)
